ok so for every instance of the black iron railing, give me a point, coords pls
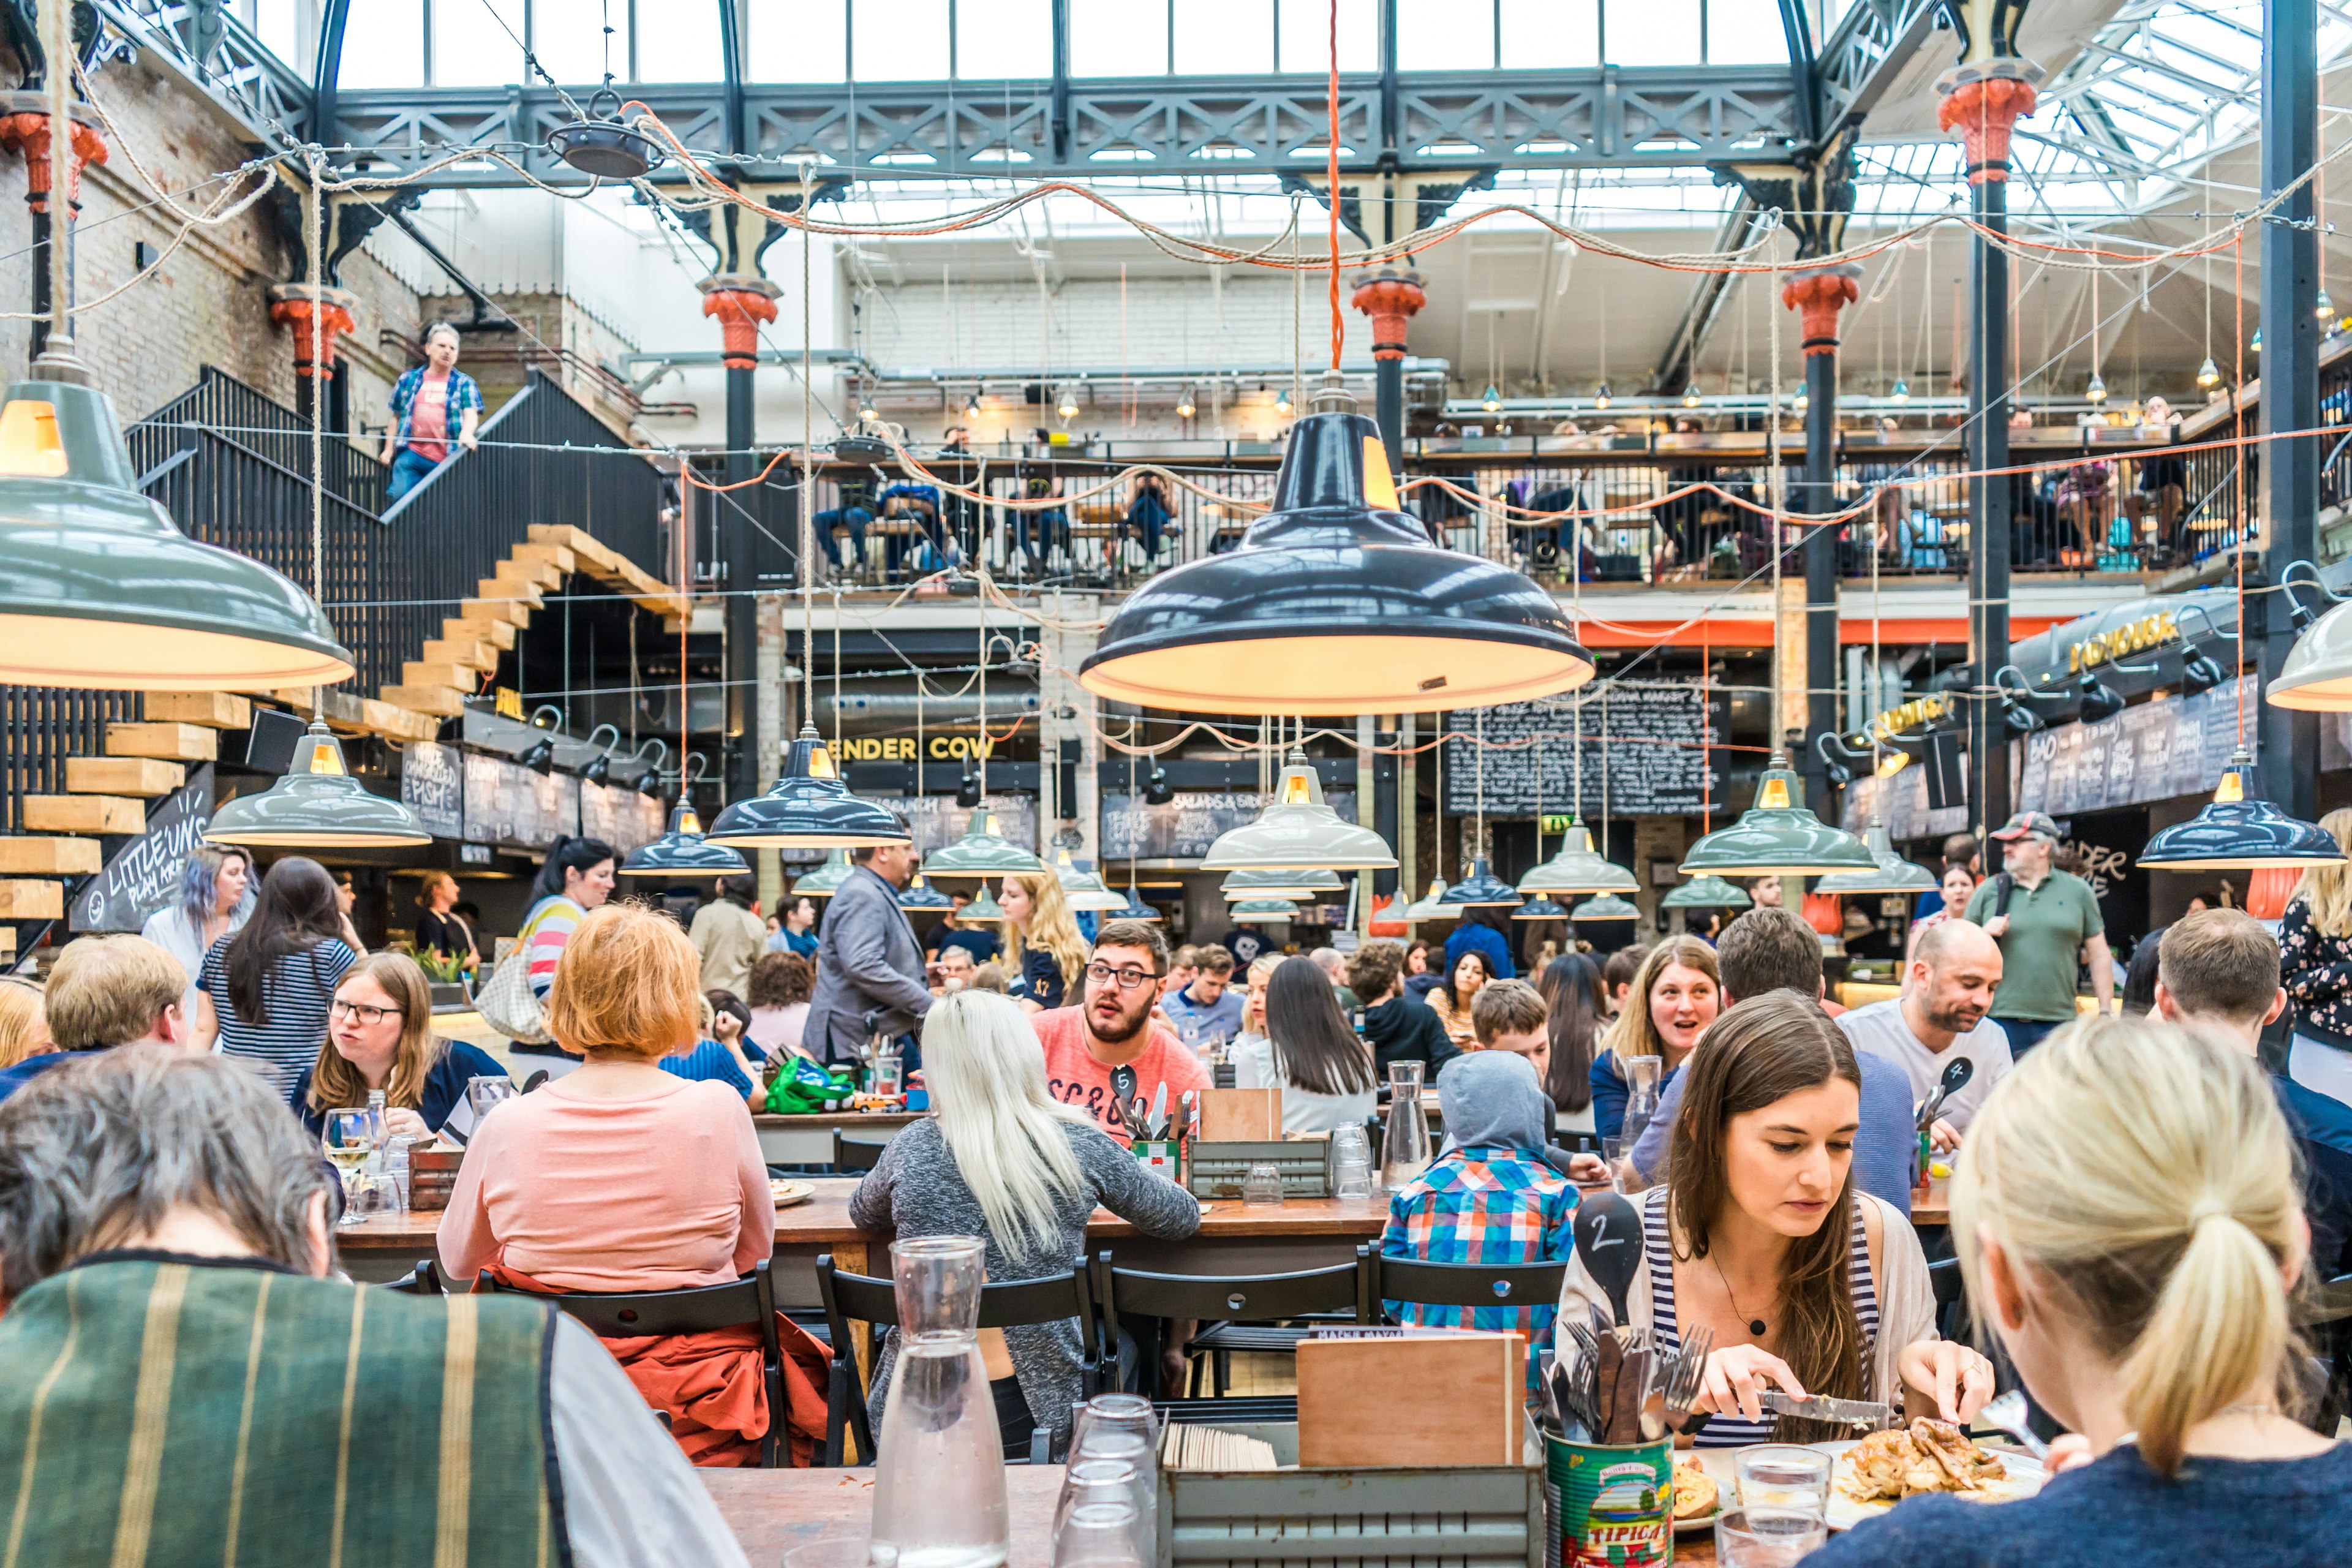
(221, 404)
(40, 727)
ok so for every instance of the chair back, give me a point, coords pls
(1208, 1298)
(424, 1280)
(855, 1154)
(1512, 1285)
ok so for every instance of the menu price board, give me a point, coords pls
(1645, 741)
(433, 785)
(1185, 827)
(507, 803)
(937, 821)
(2174, 746)
(1903, 801)
(622, 817)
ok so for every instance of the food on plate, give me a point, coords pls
(1929, 1456)
(1694, 1491)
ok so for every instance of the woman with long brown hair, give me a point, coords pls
(1758, 1236)
(1571, 987)
(379, 1035)
(1674, 996)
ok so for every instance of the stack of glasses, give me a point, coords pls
(1107, 1516)
(1351, 1162)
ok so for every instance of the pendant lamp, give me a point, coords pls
(1578, 867)
(1778, 837)
(920, 895)
(1137, 910)
(101, 590)
(1480, 890)
(1310, 885)
(2316, 676)
(1430, 907)
(2238, 832)
(1706, 893)
(826, 880)
(983, 909)
(982, 851)
(1269, 910)
(1607, 907)
(317, 805)
(1299, 832)
(1084, 889)
(1892, 874)
(683, 852)
(1336, 603)
(1539, 908)
(808, 808)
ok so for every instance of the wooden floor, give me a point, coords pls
(1257, 1371)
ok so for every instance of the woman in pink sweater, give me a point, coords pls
(617, 1176)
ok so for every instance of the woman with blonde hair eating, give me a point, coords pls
(2147, 1312)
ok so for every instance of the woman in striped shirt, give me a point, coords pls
(1808, 1286)
(576, 877)
(263, 991)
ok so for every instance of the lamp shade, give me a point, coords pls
(317, 805)
(983, 909)
(1084, 889)
(1778, 837)
(1297, 832)
(683, 851)
(1894, 875)
(1706, 893)
(2318, 673)
(1137, 910)
(100, 589)
(1607, 907)
(826, 880)
(2238, 832)
(1539, 908)
(1430, 907)
(1480, 890)
(1578, 867)
(920, 895)
(1270, 910)
(808, 808)
(1242, 885)
(982, 851)
(1335, 602)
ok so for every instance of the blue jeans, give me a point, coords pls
(410, 469)
(1039, 532)
(1147, 517)
(2024, 1033)
(854, 518)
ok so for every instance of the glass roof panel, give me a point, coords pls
(383, 45)
(1117, 39)
(1653, 33)
(470, 46)
(678, 40)
(1744, 32)
(1229, 36)
(568, 37)
(1553, 35)
(796, 43)
(1446, 35)
(1001, 38)
(898, 40)
(1303, 36)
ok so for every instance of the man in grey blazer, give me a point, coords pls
(869, 963)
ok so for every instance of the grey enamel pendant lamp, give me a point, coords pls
(317, 805)
(808, 808)
(1297, 832)
(683, 851)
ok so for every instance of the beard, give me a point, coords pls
(1958, 1020)
(1124, 1028)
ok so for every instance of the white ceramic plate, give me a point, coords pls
(2025, 1479)
(787, 1193)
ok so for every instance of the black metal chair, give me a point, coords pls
(1239, 1313)
(534, 1080)
(1016, 1303)
(750, 1301)
(1952, 1320)
(424, 1280)
(855, 1154)
(1463, 1284)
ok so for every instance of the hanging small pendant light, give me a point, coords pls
(1894, 873)
(1706, 893)
(1493, 401)
(983, 909)
(2237, 831)
(1578, 867)
(972, 406)
(1264, 911)
(982, 851)
(2097, 392)
(1280, 884)
(598, 143)
(1185, 407)
(1481, 890)
(1776, 837)
(1083, 890)
(1336, 603)
(918, 894)
(2323, 307)
(1069, 406)
(1539, 910)
(1431, 907)
(2208, 374)
(826, 880)
(1600, 398)
(808, 808)
(317, 805)
(1137, 910)
(1690, 395)
(1902, 393)
(1607, 907)
(1282, 403)
(1297, 831)
(683, 851)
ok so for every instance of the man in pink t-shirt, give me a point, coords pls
(1112, 1028)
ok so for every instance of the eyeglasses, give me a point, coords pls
(1129, 979)
(340, 1008)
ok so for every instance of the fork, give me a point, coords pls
(1689, 1370)
(2008, 1413)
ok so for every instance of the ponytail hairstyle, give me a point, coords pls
(2182, 1217)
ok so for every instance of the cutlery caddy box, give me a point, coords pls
(1412, 1517)
(1217, 1170)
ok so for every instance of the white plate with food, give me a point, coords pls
(787, 1193)
(1701, 1480)
(1873, 1474)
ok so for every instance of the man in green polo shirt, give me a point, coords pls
(2049, 916)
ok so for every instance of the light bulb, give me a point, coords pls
(2097, 391)
(866, 411)
(2255, 342)
(2324, 308)
(2208, 374)
(1184, 404)
(1493, 402)
(1804, 401)
(1068, 407)
(1282, 403)
(1600, 396)
(1690, 397)
(1902, 393)
(972, 406)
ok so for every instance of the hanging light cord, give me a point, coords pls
(317, 227)
(808, 482)
(1331, 176)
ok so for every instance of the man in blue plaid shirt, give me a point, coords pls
(432, 404)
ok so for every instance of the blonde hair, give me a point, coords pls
(24, 1030)
(629, 983)
(334, 1081)
(2326, 891)
(1051, 926)
(1007, 1130)
(1260, 972)
(110, 990)
(2182, 1211)
(1635, 1032)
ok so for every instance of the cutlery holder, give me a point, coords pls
(1610, 1503)
(1217, 1170)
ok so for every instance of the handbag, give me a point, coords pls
(506, 1004)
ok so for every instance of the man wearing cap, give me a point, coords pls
(2041, 916)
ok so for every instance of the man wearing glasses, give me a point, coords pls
(1107, 1049)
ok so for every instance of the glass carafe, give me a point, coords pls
(939, 1474)
(1642, 1074)
(1404, 1146)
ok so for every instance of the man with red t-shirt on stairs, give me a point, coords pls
(1112, 1028)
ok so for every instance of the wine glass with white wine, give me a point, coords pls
(349, 1139)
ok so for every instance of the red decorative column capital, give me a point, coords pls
(743, 303)
(1391, 296)
(1819, 295)
(292, 305)
(1984, 104)
(24, 129)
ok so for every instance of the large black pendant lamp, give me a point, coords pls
(683, 851)
(317, 806)
(2237, 831)
(1336, 603)
(1481, 890)
(99, 589)
(808, 808)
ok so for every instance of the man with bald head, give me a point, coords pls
(1940, 1019)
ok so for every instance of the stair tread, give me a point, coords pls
(26, 900)
(84, 814)
(123, 776)
(47, 855)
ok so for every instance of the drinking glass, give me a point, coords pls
(1098, 1535)
(939, 1474)
(1767, 1537)
(1404, 1146)
(1263, 1184)
(1642, 1074)
(482, 1093)
(1351, 1162)
(348, 1138)
(371, 1194)
(1617, 1153)
(1113, 1481)
(1782, 1476)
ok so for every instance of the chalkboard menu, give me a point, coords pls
(507, 803)
(1185, 827)
(433, 785)
(1648, 737)
(1903, 800)
(144, 874)
(2158, 750)
(620, 818)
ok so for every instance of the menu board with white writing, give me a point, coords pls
(509, 804)
(2174, 746)
(433, 785)
(622, 817)
(1645, 742)
(937, 821)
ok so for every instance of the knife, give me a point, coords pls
(1159, 1110)
(1844, 1411)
